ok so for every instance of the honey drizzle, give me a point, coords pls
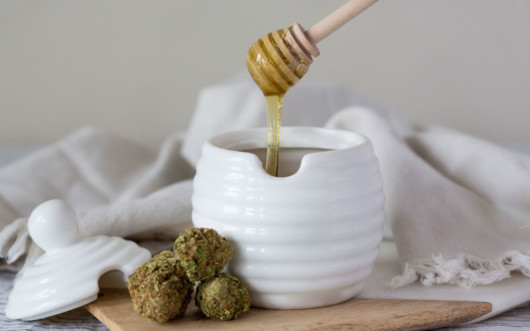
(274, 118)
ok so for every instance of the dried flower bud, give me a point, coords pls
(224, 297)
(159, 288)
(203, 253)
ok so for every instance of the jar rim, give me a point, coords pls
(290, 137)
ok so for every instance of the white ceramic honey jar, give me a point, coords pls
(308, 238)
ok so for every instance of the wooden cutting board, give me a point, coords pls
(114, 309)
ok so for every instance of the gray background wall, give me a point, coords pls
(136, 66)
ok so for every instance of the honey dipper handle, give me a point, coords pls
(337, 19)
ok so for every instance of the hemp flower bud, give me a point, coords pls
(224, 297)
(159, 288)
(203, 253)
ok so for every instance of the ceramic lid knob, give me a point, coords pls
(53, 224)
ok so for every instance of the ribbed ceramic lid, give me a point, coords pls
(66, 276)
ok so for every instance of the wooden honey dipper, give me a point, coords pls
(280, 59)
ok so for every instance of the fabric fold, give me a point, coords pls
(454, 210)
(457, 207)
(118, 187)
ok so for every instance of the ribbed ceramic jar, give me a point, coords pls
(307, 238)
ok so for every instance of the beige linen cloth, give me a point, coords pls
(458, 208)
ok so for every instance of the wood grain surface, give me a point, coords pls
(114, 308)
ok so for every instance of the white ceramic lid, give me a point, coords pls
(66, 276)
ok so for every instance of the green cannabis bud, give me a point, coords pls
(224, 297)
(159, 288)
(203, 253)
